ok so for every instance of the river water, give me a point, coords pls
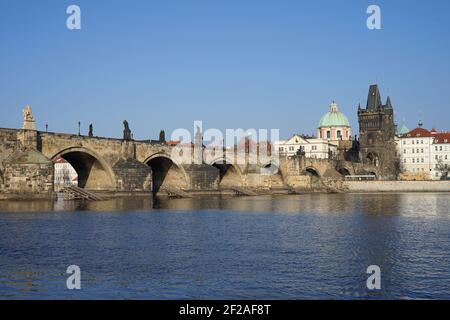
(314, 246)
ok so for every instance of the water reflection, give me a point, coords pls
(406, 204)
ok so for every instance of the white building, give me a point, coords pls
(422, 151)
(65, 174)
(311, 147)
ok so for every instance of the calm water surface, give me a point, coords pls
(273, 247)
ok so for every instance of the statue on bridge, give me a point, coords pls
(91, 130)
(126, 131)
(162, 136)
(28, 119)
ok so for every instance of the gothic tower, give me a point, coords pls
(377, 134)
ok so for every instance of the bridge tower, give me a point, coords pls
(377, 134)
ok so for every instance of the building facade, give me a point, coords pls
(310, 147)
(424, 154)
(377, 135)
(65, 174)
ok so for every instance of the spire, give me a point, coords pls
(420, 124)
(388, 103)
(374, 98)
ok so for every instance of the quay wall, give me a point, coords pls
(397, 186)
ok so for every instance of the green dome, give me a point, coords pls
(403, 130)
(334, 118)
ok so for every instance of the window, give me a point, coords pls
(412, 142)
(413, 160)
(281, 149)
(422, 160)
(404, 151)
(421, 150)
(328, 134)
(440, 148)
(339, 134)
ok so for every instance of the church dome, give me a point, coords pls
(333, 118)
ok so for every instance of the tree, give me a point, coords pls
(442, 169)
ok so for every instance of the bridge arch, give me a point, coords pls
(166, 172)
(230, 175)
(273, 177)
(93, 171)
(313, 172)
(344, 171)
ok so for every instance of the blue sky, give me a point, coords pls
(231, 63)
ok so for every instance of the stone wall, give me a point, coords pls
(202, 177)
(397, 186)
(27, 173)
(8, 144)
(133, 175)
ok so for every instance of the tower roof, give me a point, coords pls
(402, 130)
(374, 98)
(388, 103)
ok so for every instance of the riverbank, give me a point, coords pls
(396, 186)
(340, 187)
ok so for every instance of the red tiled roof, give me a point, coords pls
(60, 160)
(443, 137)
(173, 143)
(418, 133)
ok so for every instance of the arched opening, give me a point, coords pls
(274, 179)
(344, 172)
(91, 172)
(373, 174)
(166, 173)
(64, 174)
(312, 172)
(229, 176)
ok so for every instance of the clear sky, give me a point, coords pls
(161, 64)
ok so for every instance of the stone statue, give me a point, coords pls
(91, 130)
(126, 131)
(28, 119)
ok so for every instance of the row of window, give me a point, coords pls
(414, 160)
(414, 151)
(420, 141)
(412, 141)
(440, 148)
(422, 160)
(292, 148)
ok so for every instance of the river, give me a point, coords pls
(312, 246)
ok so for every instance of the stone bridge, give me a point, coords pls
(119, 165)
